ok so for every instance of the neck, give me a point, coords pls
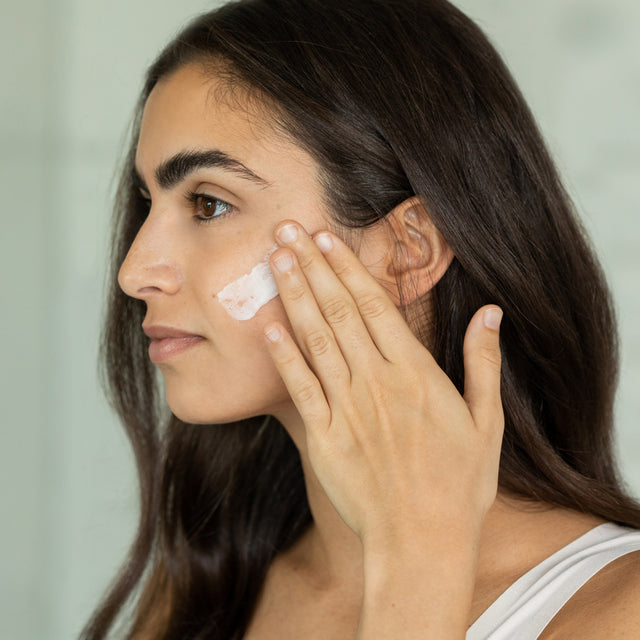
(329, 552)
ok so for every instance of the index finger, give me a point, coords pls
(386, 325)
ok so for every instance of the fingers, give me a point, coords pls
(357, 308)
(482, 365)
(321, 310)
(303, 386)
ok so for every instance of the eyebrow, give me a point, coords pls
(173, 171)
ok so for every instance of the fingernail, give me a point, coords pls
(492, 318)
(273, 334)
(324, 242)
(284, 262)
(288, 233)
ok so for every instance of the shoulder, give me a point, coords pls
(605, 607)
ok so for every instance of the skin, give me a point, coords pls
(334, 361)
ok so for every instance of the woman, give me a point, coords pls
(370, 453)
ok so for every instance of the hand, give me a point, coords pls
(389, 437)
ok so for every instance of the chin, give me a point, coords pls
(193, 409)
(196, 398)
(191, 413)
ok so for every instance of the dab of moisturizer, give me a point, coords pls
(243, 297)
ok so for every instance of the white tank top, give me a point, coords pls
(529, 604)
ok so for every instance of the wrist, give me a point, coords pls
(430, 540)
(426, 575)
(450, 555)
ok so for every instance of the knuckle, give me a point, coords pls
(305, 260)
(343, 269)
(337, 311)
(305, 392)
(287, 359)
(372, 306)
(491, 356)
(318, 343)
(296, 292)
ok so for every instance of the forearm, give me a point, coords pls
(418, 590)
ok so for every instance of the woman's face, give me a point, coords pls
(250, 179)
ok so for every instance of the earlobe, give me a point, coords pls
(420, 255)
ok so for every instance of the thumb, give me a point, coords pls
(482, 364)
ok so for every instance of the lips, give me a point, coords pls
(168, 342)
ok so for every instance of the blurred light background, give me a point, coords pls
(71, 70)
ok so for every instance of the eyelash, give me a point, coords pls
(194, 198)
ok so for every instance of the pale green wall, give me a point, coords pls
(70, 70)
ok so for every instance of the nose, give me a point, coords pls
(149, 268)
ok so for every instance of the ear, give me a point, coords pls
(419, 254)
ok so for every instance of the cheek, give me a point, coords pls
(240, 300)
(226, 278)
(244, 296)
(233, 376)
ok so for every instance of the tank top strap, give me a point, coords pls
(530, 603)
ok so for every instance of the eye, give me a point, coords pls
(207, 207)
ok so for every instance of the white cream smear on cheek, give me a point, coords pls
(243, 297)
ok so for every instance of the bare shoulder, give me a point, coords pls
(607, 606)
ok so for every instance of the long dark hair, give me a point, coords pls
(392, 98)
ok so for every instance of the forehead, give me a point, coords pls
(192, 110)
